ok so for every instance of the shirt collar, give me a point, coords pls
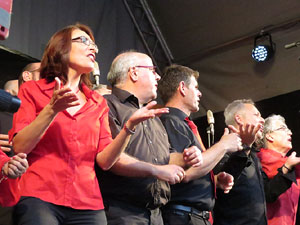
(44, 85)
(125, 96)
(177, 112)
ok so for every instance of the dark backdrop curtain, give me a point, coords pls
(34, 21)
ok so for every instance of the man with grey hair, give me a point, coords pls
(275, 143)
(138, 184)
(247, 197)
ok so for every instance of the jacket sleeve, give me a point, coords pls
(278, 184)
(233, 164)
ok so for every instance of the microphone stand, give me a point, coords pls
(210, 136)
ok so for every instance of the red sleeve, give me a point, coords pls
(27, 111)
(3, 159)
(105, 133)
(9, 194)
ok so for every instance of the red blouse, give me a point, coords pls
(61, 166)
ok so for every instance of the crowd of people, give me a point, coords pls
(120, 159)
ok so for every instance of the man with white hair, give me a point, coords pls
(138, 184)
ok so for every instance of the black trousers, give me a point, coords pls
(178, 217)
(33, 211)
(6, 215)
(121, 213)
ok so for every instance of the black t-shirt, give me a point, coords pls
(197, 193)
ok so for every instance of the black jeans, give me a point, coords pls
(6, 215)
(33, 211)
(121, 213)
(178, 217)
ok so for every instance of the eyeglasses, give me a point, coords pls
(86, 41)
(283, 128)
(151, 68)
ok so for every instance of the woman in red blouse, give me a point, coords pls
(63, 127)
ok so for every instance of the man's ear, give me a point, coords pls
(27, 76)
(133, 74)
(182, 88)
(269, 138)
(238, 119)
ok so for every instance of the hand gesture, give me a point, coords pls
(292, 161)
(145, 113)
(4, 143)
(170, 173)
(231, 141)
(192, 156)
(62, 98)
(224, 181)
(16, 166)
(247, 132)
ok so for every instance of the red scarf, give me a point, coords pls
(283, 210)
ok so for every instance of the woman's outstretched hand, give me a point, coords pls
(62, 98)
(144, 113)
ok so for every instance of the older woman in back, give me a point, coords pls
(276, 142)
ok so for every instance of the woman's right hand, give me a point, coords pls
(62, 98)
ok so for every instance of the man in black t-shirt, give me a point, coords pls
(193, 199)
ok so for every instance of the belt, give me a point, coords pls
(191, 210)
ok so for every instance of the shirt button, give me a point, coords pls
(150, 142)
(145, 125)
(155, 159)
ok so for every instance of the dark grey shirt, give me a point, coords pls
(149, 144)
(197, 193)
(245, 203)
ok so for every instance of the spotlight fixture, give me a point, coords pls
(265, 49)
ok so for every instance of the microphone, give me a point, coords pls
(8, 102)
(292, 45)
(211, 121)
(96, 74)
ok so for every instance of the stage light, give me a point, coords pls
(265, 49)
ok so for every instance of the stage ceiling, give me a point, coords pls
(214, 37)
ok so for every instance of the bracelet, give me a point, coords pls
(127, 130)
(287, 167)
(246, 147)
